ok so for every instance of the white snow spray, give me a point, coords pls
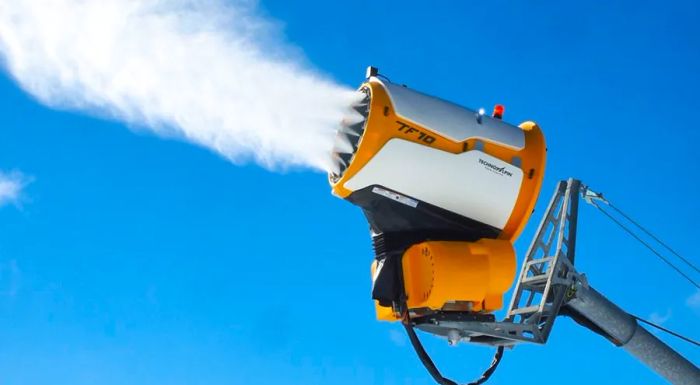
(212, 73)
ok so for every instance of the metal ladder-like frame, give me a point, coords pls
(546, 272)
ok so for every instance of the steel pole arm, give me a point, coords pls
(628, 334)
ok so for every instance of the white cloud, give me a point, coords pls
(659, 318)
(209, 72)
(11, 185)
(694, 301)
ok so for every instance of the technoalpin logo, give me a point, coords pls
(492, 167)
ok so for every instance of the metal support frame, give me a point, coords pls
(546, 274)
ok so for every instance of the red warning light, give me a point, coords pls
(498, 111)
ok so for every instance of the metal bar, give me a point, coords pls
(535, 278)
(624, 329)
(525, 310)
(573, 220)
(559, 231)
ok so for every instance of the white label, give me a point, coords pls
(396, 197)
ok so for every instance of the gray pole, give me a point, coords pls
(624, 329)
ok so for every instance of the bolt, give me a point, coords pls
(453, 337)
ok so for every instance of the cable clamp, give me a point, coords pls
(591, 196)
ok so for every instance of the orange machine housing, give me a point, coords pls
(442, 275)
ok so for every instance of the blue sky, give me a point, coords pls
(133, 259)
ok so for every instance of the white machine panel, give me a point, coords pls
(449, 119)
(473, 184)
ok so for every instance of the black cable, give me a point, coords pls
(635, 236)
(671, 332)
(424, 357)
(492, 368)
(430, 365)
(689, 263)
